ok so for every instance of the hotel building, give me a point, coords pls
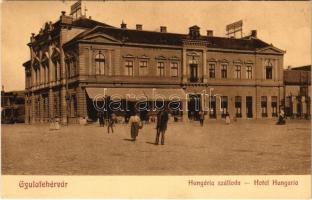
(73, 59)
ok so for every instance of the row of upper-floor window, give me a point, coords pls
(143, 68)
(238, 71)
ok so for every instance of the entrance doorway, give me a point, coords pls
(212, 107)
(194, 72)
(249, 106)
(194, 106)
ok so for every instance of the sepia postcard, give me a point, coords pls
(156, 99)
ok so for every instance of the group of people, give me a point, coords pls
(136, 124)
(109, 120)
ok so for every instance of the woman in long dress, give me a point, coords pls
(134, 123)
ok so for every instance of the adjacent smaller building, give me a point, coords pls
(297, 90)
(12, 106)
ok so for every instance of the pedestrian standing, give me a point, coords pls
(111, 122)
(134, 123)
(101, 118)
(227, 118)
(201, 117)
(158, 122)
(162, 121)
(281, 117)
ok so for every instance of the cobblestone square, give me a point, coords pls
(248, 147)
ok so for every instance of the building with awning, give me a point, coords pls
(75, 58)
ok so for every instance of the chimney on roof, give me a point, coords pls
(254, 33)
(139, 27)
(66, 20)
(123, 25)
(210, 33)
(163, 29)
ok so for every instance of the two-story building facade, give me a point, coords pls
(72, 61)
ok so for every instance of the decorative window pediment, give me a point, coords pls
(268, 63)
(143, 57)
(224, 61)
(212, 60)
(174, 58)
(248, 62)
(161, 57)
(193, 53)
(129, 56)
(238, 61)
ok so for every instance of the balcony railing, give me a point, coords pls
(194, 79)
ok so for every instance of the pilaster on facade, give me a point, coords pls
(81, 102)
(33, 108)
(304, 104)
(41, 107)
(184, 110)
(204, 75)
(51, 103)
(257, 107)
(184, 66)
(269, 106)
(64, 105)
(218, 107)
(294, 104)
(243, 107)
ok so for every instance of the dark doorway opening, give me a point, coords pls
(249, 106)
(194, 72)
(194, 106)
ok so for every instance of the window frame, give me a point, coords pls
(249, 71)
(238, 106)
(269, 70)
(174, 65)
(99, 63)
(224, 105)
(128, 67)
(264, 106)
(274, 105)
(224, 68)
(212, 70)
(144, 66)
(238, 71)
(161, 68)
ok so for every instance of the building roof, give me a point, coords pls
(88, 23)
(302, 68)
(297, 77)
(160, 38)
(82, 22)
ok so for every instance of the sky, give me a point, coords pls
(287, 25)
